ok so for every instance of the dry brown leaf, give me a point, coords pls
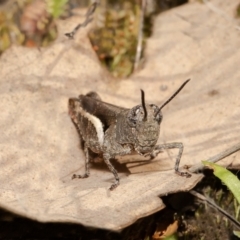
(39, 144)
(163, 232)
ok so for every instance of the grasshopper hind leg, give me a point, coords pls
(87, 172)
(107, 158)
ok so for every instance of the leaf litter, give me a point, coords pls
(40, 147)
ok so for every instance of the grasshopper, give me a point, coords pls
(108, 131)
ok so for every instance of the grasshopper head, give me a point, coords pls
(144, 121)
(145, 125)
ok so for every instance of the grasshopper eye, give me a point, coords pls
(157, 113)
(139, 114)
(132, 122)
(159, 117)
(133, 116)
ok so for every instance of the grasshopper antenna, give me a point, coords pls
(144, 105)
(173, 96)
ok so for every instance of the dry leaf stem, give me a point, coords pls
(212, 204)
(216, 158)
(140, 35)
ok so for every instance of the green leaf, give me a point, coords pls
(172, 237)
(56, 7)
(229, 179)
(236, 233)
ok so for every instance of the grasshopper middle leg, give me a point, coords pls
(161, 147)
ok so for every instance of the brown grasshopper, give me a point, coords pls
(109, 131)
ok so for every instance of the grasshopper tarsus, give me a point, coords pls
(70, 35)
(80, 176)
(114, 186)
(183, 174)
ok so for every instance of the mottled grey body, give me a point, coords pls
(110, 130)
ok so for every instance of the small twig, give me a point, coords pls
(216, 158)
(88, 19)
(140, 35)
(214, 205)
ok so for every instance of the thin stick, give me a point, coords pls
(88, 19)
(214, 205)
(216, 158)
(140, 35)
